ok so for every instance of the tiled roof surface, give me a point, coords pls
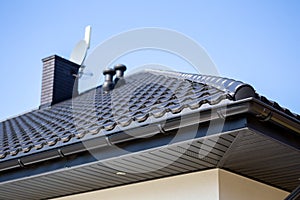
(145, 96)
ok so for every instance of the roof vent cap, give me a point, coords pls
(108, 84)
(120, 69)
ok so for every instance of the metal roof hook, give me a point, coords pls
(21, 163)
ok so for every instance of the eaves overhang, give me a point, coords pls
(256, 141)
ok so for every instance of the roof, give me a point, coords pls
(154, 102)
(146, 95)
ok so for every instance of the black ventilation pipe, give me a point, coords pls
(108, 84)
(120, 69)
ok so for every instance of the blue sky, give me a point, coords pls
(256, 42)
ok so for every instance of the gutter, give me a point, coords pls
(267, 113)
(252, 106)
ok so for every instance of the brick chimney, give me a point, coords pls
(58, 80)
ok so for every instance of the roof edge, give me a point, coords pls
(256, 108)
(159, 127)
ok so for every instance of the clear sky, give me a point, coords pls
(257, 42)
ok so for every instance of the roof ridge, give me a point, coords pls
(235, 89)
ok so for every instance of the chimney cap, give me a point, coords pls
(109, 71)
(121, 67)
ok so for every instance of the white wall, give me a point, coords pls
(212, 184)
(233, 187)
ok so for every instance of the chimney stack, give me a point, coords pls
(58, 80)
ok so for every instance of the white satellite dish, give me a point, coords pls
(79, 52)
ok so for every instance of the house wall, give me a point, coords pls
(232, 186)
(212, 184)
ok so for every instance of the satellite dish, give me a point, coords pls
(79, 52)
(78, 56)
(88, 71)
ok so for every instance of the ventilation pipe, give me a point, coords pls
(119, 80)
(108, 84)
